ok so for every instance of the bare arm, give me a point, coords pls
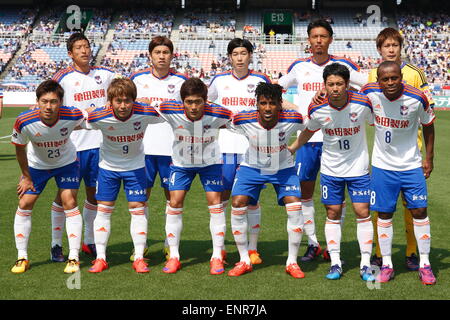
(25, 182)
(427, 164)
(286, 105)
(303, 138)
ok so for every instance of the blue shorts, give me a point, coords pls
(307, 161)
(134, 184)
(250, 181)
(333, 189)
(231, 162)
(386, 186)
(210, 177)
(67, 177)
(158, 164)
(89, 166)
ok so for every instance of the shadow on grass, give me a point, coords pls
(7, 157)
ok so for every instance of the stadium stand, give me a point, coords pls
(143, 23)
(7, 49)
(200, 24)
(16, 22)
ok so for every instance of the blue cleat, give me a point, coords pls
(366, 274)
(56, 254)
(335, 273)
(412, 263)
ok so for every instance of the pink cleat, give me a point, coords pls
(385, 275)
(426, 275)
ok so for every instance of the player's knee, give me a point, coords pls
(385, 215)
(69, 204)
(136, 204)
(176, 203)
(419, 213)
(26, 204)
(239, 202)
(333, 212)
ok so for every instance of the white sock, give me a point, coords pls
(217, 226)
(422, 231)
(385, 235)
(225, 208)
(166, 243)
(333, 236)
(58, 219)
(138, 231)
(364, 232)
(89, 213)
(174, 225)
(74, 228)
(309, 225)
(254, 226)
(22, 230)
(294, 230)
(102, 229)
(239, 228)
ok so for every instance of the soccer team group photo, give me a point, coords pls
(311, 130)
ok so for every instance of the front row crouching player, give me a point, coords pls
(345, 161)
(50, 154)
(122, 124)
(195, 124)
(397, 162)
(267, 160)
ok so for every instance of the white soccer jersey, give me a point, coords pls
(268, 148)
(122, 149)
(195, 144)
(308, 77)
(83, 91)
(49, 147)
(158, 138)
(396, 124)
(235, 94)
(344, 150)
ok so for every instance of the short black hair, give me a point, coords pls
(49, 86)
(237, 43)
(75, 37)
(320, 23)
(387, 64)
(192, 87)
(269, 91)
(336, 69)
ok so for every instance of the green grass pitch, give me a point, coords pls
(46, 280)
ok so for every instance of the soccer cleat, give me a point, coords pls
(426, 275)
(21, 266)
(254, 257)
(311, 253)
(224, 256)
(145, 254)
(72, 266)
(335, 273)
(140, 266)
(412, 263)
(172, 266)
(166, 252)
(216, 266)
(386, 274)
(366, 274)
(56, 254)
(376, 261)
(89, 249)
(239, 269)
(98, 266)
(294, 270)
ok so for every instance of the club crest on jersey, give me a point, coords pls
(281, 136)
(403, 110)
(64, 131)
(98, 79)
(353, 116)
(251, 88)
(206, 128)
(171, 88)
(137, 125)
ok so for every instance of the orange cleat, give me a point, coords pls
(239, 269)
(224, 256)
(172, 266)
(294, 270)
(98, 266)
(216, 266)
(254, 257)
(140, 266)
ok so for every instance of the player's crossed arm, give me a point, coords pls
(303, 138)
